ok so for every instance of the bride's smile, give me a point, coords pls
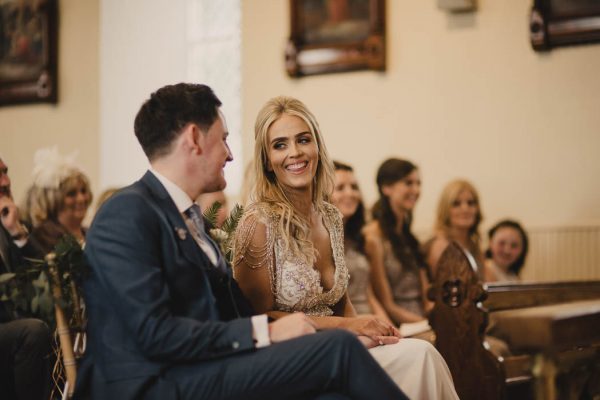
(293, 152)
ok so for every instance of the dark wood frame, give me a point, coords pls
(39, 85)
(302, 57)
(551, 28)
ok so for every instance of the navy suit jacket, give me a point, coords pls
(154, 300)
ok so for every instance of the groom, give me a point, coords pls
(165, 319)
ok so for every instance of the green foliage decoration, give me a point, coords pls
(224, 235)
(28, 291)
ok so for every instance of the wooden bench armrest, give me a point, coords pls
(504, 296)
(548, 319)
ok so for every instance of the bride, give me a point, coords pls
(289, 249)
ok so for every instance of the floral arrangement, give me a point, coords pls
(223, 235)
(33, 289)
(50, 289)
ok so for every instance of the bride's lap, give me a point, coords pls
(417, 368)
(405, 352)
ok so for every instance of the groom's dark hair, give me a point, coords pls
(161, 118)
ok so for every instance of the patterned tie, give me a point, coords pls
(203, 240)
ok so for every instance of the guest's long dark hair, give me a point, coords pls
(353, 227)
(516, 267)
(391, 171)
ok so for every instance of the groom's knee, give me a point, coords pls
(342, 341)
(340, 335)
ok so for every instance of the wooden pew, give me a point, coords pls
(554, 328)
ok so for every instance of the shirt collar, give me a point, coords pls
(180, 198)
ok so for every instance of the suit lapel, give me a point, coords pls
(4, 249)
(190, 248)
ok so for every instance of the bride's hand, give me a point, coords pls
(380, 341)
(369, 326)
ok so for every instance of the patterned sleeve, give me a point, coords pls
(253, 245)
(253, 241)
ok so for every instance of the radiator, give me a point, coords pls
(563, 253)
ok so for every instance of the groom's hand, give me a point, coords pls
(291, 326)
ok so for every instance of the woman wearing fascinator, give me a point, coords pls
(58, 201)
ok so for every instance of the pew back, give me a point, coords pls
(461, 313)
(502, 296)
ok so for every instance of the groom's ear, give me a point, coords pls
(193, 138)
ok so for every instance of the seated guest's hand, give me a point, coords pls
(291, 326)
(9, 216)
(379, 341)
(370, 326)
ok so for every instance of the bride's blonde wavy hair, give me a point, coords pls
(292, 228)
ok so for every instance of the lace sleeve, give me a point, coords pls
(253, 260)
(253, 242)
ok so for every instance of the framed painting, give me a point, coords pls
(28, 51)
(556, 23)
(335, 36)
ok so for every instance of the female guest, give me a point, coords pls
(458, 218)
(347, 198)
(399, 271)
(58, 201)
(289, 250)
(507, 252)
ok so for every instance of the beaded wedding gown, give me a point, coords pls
(415, 365)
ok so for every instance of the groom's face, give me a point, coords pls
(216, 154)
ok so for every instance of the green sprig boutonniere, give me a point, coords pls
(224, 234)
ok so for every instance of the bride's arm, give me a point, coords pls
(345, 318)
(251, 264)
(254, 258)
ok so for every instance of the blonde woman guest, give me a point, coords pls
(289, 249)
(458, 218)
(59, 199)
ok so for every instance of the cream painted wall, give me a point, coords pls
(72, 124)
(142, 47)
(463, 96)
